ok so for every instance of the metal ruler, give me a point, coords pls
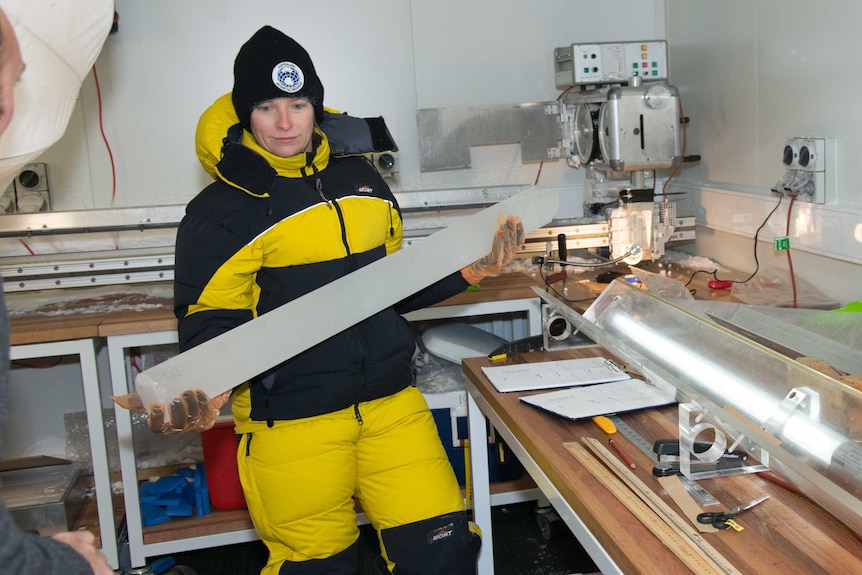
(701, 495)
(673, 531)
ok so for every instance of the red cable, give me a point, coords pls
(133, 360)
(105, 138)
(32, 253)
(789, 259)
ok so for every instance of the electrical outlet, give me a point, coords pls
(812, 169)
(31, 189)
(386, 163)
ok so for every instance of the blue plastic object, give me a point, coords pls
(179, 495)
(153, 514)
(162, 564)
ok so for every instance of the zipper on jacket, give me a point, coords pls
(333, 204)
(318, 185)
(248, 443)
(267, 409)
(357, 336)
(360, 342)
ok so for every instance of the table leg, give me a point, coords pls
(481, 487)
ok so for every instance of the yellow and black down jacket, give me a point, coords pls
(269, 230)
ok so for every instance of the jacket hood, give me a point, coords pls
(231, 154)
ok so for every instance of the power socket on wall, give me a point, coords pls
(812, 169)
(31, 189)
(386, 163)
(28, 192)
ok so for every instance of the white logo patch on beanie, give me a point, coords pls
(288, 77)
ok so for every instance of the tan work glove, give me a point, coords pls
(192, 411)
(507, 239)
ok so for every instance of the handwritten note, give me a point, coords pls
(551, 374)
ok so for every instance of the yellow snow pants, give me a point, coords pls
(301, 479)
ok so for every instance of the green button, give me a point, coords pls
(635, 65)
(655, 64)
(635, 73)
(655, 72)
(586, 70)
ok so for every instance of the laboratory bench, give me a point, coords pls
(788, 533)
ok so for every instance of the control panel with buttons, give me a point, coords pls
(610, 63)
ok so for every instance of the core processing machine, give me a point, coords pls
(623, 122)
(617, 117)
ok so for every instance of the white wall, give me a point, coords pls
(751, 74)
(375, 57)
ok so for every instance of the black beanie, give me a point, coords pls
(272, 65)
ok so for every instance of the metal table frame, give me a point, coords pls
(478, 412)
(85, 349)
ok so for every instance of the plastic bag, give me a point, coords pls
(773, 287)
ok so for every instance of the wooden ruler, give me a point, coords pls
(674, 531)
(686, 503)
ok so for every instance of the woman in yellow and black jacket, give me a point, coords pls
(270, 230)
(294, 207)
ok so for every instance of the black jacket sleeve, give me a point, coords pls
(201, 248)
(451, 285)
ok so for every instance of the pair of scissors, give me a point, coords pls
(719, 519)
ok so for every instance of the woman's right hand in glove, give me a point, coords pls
(193, 410)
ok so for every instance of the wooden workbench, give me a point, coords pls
(786, 534)
(46, 316)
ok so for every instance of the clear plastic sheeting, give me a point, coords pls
(151, 450)
(835, 337)
(775, 287)
(810, 424)
(662, 285)
(436, 375)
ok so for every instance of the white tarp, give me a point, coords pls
(59, 42)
